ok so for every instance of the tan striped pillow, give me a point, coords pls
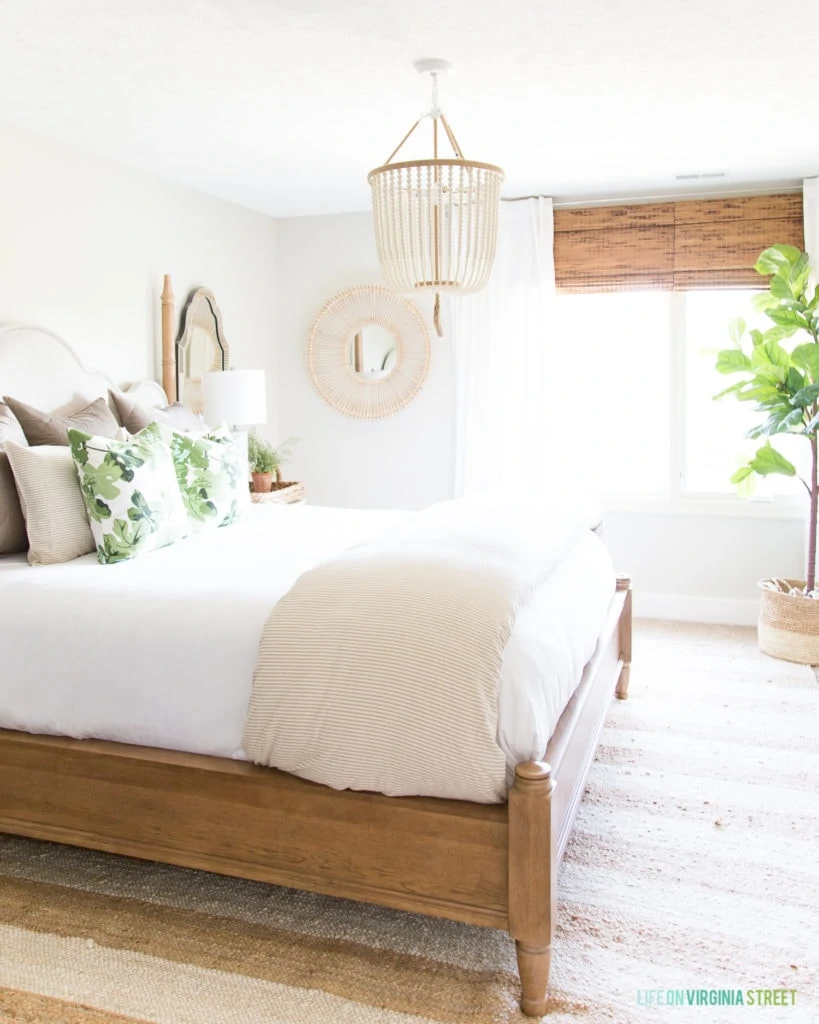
(12, 524)
(52, 503)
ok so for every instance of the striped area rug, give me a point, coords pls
(694, 865)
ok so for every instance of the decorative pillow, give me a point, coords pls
(131, 495)
(50, 497)
(41, 428)
(135, 416)
(12, 524)
(212, 475)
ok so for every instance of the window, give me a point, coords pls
(645, 295)
(714, 440)
(631, 397)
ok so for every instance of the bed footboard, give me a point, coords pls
(492, 865)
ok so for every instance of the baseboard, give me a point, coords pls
(685, 608)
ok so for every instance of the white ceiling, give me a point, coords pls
(284, 105)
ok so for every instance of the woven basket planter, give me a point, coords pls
(282, 492)
(789, 626)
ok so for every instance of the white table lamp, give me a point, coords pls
(235, 397)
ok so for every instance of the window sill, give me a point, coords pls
(726, 507)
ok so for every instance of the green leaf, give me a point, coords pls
(741, 474)
(779, 333)
(730, 390)
(781, 287)
(812, 425)
(781, 403)
(736, 328)
(799, 274)
(777, 355)
(763, 301)
(771, 361)
(806, 396)
(777, 257)
(779, 422)
(141, 510)
(794, 381)
(768, 461)
(732, 360)
(807, 357)
(762, 392)
(787, 317)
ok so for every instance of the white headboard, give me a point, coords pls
(40, 369)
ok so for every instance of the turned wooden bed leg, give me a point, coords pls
(624, 583)
(532, 889)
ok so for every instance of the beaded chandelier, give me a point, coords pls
(436, 220)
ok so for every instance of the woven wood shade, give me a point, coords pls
(711, 243)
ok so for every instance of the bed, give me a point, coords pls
(186, 795)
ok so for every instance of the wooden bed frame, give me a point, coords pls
(492, 865)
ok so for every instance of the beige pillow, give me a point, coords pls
(42, 428)
(52, 503)
(135, 417)
(12, 524)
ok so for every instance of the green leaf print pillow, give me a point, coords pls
(212, 474)
(131, 494)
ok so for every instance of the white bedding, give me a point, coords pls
(160, 651)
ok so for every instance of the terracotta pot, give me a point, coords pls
(262, 482)
(789, 625)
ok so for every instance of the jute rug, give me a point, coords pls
(694, 866)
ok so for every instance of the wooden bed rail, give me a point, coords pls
(487, 864)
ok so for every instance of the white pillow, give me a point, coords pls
(52, 503)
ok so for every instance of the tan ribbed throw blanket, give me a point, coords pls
(380, 669)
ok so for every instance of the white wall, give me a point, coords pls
(402, 461)
(84, 243)
(688, 566)
(703, 568)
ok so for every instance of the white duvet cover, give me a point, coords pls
(160, 651)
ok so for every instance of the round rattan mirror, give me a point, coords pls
(368, 352)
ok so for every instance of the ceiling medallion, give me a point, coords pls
(436, 220)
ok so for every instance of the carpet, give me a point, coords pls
(693, 867)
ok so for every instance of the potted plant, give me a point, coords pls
(780, 377)
(265, 461)
(262, 461)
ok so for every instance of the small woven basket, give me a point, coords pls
(789, 625)
(282, 492)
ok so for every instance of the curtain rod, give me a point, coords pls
(762, 189)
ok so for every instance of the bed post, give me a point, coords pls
(624, 583)
(532, 890)
(168, 353)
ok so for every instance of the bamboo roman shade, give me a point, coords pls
(711, 243)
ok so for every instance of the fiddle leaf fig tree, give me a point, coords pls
(780, 376)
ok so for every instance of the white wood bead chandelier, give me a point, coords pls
(436, 220)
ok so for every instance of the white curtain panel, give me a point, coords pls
(501, 343)
(810, 213)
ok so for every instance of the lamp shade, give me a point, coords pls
(235, 397)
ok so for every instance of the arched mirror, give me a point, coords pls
(201, 348)
(368, 352)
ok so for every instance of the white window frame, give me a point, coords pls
(691, 503)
